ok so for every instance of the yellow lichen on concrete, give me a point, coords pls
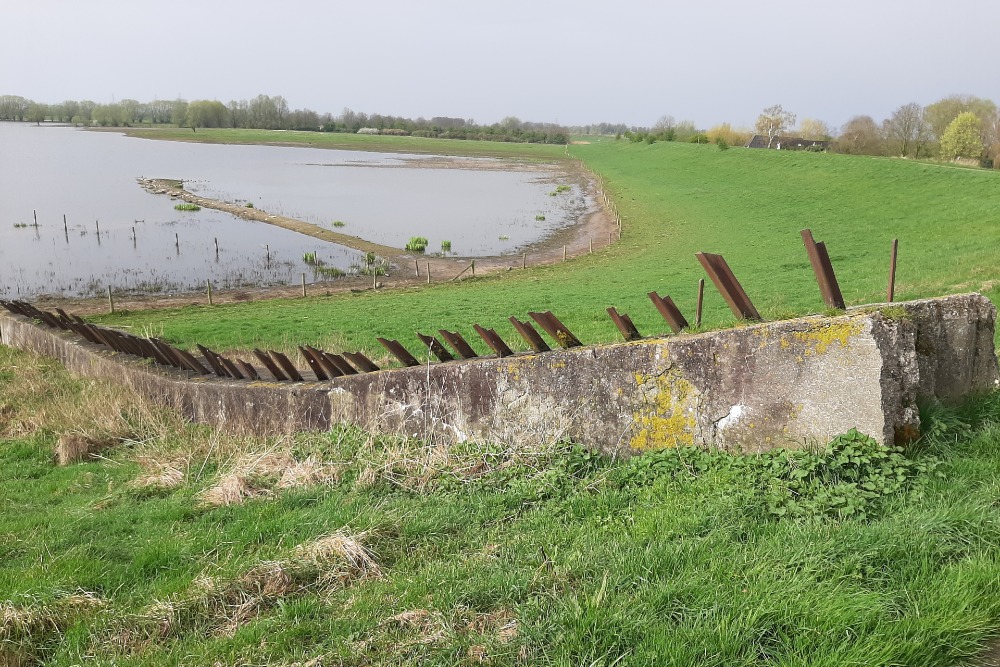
(667, 418)
(817, 340)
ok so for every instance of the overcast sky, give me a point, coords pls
(572, 62)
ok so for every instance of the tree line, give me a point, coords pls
(266, 112)
(958, 127)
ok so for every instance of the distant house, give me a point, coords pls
(788, 143)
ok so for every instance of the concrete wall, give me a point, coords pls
(751, 388)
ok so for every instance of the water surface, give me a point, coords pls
(144, 245)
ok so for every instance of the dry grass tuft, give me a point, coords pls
(231, 489)
(76, 447)
(159, 474)
(40, 395)
(340, 549)
(309, 472)
(429, 627)
(27, 630)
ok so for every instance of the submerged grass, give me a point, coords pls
(357, 549)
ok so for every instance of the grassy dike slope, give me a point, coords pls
(677, 199)
(186, 547)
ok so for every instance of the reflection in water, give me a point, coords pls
(117, 234)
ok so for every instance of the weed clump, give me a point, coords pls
(187, 207)
(417, 244)
(445, 246)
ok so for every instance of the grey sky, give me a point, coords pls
(569, 62)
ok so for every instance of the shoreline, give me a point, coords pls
(596, 230)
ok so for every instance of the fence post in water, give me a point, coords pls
(267, 250)
(208, 283)
(111, 300)
(97, 223)
(35, 214)
(65, 226)
(216, 245)
(177, 242)
(892, 271)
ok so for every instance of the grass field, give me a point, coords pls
(183, 546)
(676, 199)
(344, 141)
(351, 549)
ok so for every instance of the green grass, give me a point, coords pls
(419, 145)
(187, 207)
(675, 200)
(556, 557)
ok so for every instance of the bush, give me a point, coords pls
(445, 246)
(721, 143)
(699, 138)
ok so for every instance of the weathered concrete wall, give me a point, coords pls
(751, 388)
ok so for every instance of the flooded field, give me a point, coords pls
(116, 234)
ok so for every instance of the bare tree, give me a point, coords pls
(860, 136)
(810, 128)
(773, 121)
(907, 130)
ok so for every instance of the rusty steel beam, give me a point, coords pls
(248, 370)
(213, 361)
(361, 362)
(727, 284)
(313, 362)
(272, 368)
(435, 346)
(670, 312)
(819, 258)
(331, 369)
(397, 350)
(286, 365)
(624, 324)
(553, 327)
(496, 343)
(191, 361)
(231, 369)
(530, 336)
(462, 347)
(340, 363)
(169, 354)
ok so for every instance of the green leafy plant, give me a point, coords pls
(338, 223)
(187, 207)
(417, 244)
(504, 237)
(445, 246)
(249, 204)
(540, 217)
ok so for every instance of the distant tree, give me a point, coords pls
(684, 130)
(206, 113)
(131, 111)
(37, 113)
(774, 121)
(962, 139)
(940, 114)
(860, 136)
(810, 128)
(906, 130)
(69, 109)
(510, 123)
(178, 112)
